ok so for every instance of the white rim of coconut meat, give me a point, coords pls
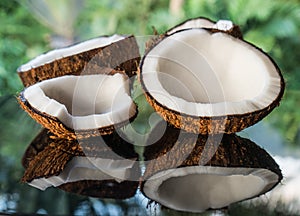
(84, 102)
(69, 51)
(87, 168)
(203, 74)
(193, 23)
(198, 188)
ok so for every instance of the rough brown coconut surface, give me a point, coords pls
(42, 140)
(102, 189)
(48, 155)
(121, 55)
(50, 148)
(226, 150)
(211, 125)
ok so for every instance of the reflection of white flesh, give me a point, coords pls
(198, 188)
(69, 51)
(194, 23)
(84, 102)
(203, 74)
(87, 168)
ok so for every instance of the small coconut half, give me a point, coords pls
(210, 82)
(80, 106)
(117, 52)
(103, 167)
(191, 174)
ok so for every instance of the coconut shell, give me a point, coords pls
(176, 149)
(59, 129)
(216, 124)
(122, 55)
(37, 145)
(47, 156)
(111, 146)
(211, 125)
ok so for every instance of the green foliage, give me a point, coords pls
(22, 38)
(122, 17)
(57, 15)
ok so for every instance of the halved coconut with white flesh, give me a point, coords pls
(80, 106)
(210, 82)
(89, 57)
(104, 167)
(193, 174)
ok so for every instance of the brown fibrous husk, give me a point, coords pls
(177, 149)
(48, 155)
(122, 55)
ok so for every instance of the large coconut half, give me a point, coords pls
(80, 106)
(193, 174)
(205, 81)
(88, 57)
(99, 167)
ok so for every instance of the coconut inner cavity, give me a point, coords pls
(198, 188)
(83, 102)
(87, 168)
(196, 192)
(195, 66)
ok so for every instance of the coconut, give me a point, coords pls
(186, 172)
(89, 57)
(208, 81)
(80, 106)
(103, 167)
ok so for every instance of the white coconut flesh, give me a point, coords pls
(196, 189)
(69, 51)
(203, 74)
(84, 102)
(194, 23)
(87, 168)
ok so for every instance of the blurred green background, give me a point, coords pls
(31, 27)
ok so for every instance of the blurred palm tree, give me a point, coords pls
(59, 16)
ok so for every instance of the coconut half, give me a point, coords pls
(191, 174)
(80, 106)
(88, 57)
(210, 82)
(73, 167)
